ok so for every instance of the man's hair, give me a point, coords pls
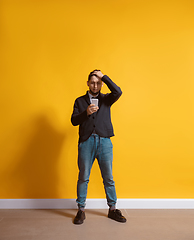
(92, 74)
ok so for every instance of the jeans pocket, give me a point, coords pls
(79, 144)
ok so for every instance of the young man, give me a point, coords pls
(95, 130)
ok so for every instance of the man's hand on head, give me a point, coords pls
(92, 109)
(99, 74)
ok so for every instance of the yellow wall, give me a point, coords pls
(47, 50)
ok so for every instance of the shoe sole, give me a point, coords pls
(117, 220)
(78, 223)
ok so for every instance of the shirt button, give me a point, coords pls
(94, 126)
(93, 117)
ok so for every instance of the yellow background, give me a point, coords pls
(48, 49)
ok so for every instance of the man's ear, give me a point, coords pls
(88, 83)
(102, 83)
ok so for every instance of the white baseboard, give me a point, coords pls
(99, 203)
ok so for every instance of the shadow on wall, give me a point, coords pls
(36, 175)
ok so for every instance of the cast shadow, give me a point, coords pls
(66, 213)
(37, 172)
(63, 213)
(97, 212)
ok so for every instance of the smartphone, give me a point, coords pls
(94, 101)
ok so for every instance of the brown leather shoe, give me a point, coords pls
(116, 215)
(79, 218)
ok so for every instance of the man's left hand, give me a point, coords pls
(99, 74)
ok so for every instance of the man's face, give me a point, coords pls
(94, 85)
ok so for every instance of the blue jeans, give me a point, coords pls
(100, 148)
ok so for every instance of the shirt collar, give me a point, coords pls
(90, 95)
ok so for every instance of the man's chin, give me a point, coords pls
(94, 93)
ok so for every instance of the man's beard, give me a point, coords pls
(94, 93)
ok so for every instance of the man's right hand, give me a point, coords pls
(92, 109)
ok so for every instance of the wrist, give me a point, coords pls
(102, 76)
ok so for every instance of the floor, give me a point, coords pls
(57, 225)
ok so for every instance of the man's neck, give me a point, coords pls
(93, 94)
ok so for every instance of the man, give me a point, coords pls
(95, 130)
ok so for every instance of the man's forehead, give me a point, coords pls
(94, 78)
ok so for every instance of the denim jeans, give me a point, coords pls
(101, 149)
